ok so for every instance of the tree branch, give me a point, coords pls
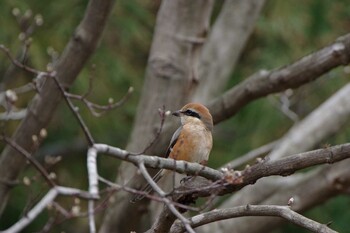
(43, 203)
(163, 224)
(294, 75)
(254, 210)
(258, 152)
(330, 116)
(235, 180)
(74, 57)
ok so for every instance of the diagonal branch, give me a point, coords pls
(31, 159)
(294, 75)
(163, 224)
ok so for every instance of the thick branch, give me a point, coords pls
(254, 210)
(157, 162)
(294, 75)
(236, 180)
(312, 189)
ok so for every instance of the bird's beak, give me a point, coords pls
(176, 113)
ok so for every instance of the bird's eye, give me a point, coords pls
(189, 112)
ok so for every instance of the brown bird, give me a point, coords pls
(191, 142)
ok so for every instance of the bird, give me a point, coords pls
(191, 142)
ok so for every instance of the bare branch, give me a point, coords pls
(294, 75)
(160, 225)
(17, 63)
(283, 103)
(80, 47)
(75, 112)
(258, 152)
(235, 179)
(93, 186)
(43, 203)
(31, 159)
(91, 212)
(13, 115)
(157, 162)
(254, 210)
(162, 114)
(118, 187)
(329, 116)
(103, 108)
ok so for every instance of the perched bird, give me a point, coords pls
(191, 142)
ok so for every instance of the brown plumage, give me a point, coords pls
(191, 142)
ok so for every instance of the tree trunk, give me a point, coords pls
(170, 81)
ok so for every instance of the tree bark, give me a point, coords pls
(170, 80)
(225, 43)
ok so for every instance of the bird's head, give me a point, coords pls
(195, 113)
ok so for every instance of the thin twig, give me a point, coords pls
(167, 202)
(75, 112)
(31, 159)
(162, 114)
(17, 63)
(91, 79)
(149, 196)
(103, 108)
(258, 152)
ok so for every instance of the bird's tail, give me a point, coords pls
(147, 188)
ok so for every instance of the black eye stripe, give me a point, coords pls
(191, 113)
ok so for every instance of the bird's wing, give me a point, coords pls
(173, 141)
(148, 188)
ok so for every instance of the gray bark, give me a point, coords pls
(170, 80)
(226, 41)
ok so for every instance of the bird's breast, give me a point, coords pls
(194, 144)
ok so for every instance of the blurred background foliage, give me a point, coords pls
(285, 31)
